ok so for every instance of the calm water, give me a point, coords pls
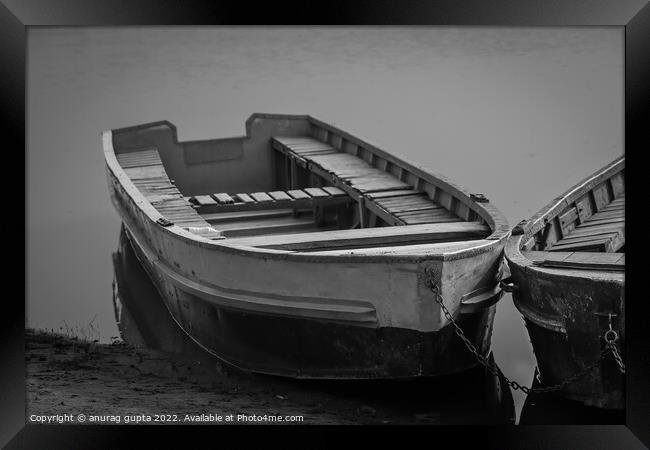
(518, 114)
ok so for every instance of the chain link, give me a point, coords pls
(610, 347)
(617, 357)
(611, 337)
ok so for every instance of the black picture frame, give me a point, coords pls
(17, 16)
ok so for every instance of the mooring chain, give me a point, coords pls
(617, 357)
(610, 338)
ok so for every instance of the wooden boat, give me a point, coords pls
(567, 265)
(303, 251)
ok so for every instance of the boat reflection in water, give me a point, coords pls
(551, 409)
(473, 396)
(142, 318)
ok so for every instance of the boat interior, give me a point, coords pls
(588, 232)
(308, 188)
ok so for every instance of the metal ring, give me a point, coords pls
(608, 334)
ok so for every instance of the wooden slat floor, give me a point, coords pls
(146, 171)
(389, 193)
(604, 231)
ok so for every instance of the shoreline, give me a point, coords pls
(67, 376)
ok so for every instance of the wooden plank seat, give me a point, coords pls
(295, 199)
(264, 226)
(603, 231)
(238, 216)
(578, 260)
(147, 172)
(370, 237)
(384, 194)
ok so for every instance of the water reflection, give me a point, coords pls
(551, 409)
(471, 397)
(141, 316)
(474, 397)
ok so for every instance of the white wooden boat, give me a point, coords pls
(301, 250)
(568, 276)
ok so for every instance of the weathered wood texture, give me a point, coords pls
(376, 186)
(439, 188)
(267, 213)
(251, 226)
(147, 173)
(602, 231)
(578, 260)
(603, 190)
(371, 237)
(296, 198)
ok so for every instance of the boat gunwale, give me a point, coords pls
(524, 231)
(538, 220)
(494, 218)
(514, 256)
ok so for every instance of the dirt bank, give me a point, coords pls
(69, 376)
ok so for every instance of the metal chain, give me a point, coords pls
(617, 357)
(611, 337)
(609, 348)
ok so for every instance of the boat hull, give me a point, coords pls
(566, 316)
(284, 342)
(310, 348)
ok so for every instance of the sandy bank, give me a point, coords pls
(69, 376)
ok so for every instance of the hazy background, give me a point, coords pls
(519, 114)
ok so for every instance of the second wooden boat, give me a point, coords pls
(302, 250)
(568, 274)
